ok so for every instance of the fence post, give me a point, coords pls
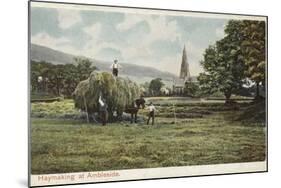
(175, 113)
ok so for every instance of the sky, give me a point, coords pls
(154, 40)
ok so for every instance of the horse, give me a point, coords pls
(134, 108)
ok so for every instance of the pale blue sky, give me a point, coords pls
(150, 40)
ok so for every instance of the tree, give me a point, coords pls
(71, 79)
(253, 49)
(84, 67)
(144, 87)
(191, 89)
(224, 67)
(40, 70)
(35, 73)
(250, 37)
(239, 55)
(155, 86)
(59, 79)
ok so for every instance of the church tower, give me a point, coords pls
(184, 72)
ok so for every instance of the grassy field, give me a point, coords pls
(203, 133)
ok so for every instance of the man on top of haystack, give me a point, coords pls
(115, 67)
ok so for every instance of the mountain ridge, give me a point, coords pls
(43, 53)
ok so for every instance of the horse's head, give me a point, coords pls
(140, 103)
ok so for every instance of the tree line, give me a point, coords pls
(59, 79)
(236, 60)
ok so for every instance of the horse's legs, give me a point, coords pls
(132, 116)
(136, 117)
(103, 118)
(119, 115)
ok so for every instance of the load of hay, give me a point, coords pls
(117, 93)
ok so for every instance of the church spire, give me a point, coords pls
(184, 72)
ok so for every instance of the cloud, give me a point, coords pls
(93, 31)
(139, 43)
(171, 63)
(56, 43)
(129, 21)
(163, 36)
(159, 27)
(220, 32)
(68, 18)
(110, 52)
(46, 40)
(97, 46)
(150, 40)
(162, 29)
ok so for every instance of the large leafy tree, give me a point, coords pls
(84, 67)
(191, 89)
(239, 55)
(155, 86)
(253, 45)
(218, 74)
(224, 65)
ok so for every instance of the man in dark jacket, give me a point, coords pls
(103, 111)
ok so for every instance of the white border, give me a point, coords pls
(152, 173)
(136, 10)
(149, 173)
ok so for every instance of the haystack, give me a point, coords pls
(117, 92)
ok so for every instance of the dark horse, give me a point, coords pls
(134, 108)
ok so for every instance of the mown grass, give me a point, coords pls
(60, 146)
(56, 110)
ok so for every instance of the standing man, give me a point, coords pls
(151, 114)
(103, 111)
(115, 67)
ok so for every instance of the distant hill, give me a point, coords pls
(135, 72)
(42, 53)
